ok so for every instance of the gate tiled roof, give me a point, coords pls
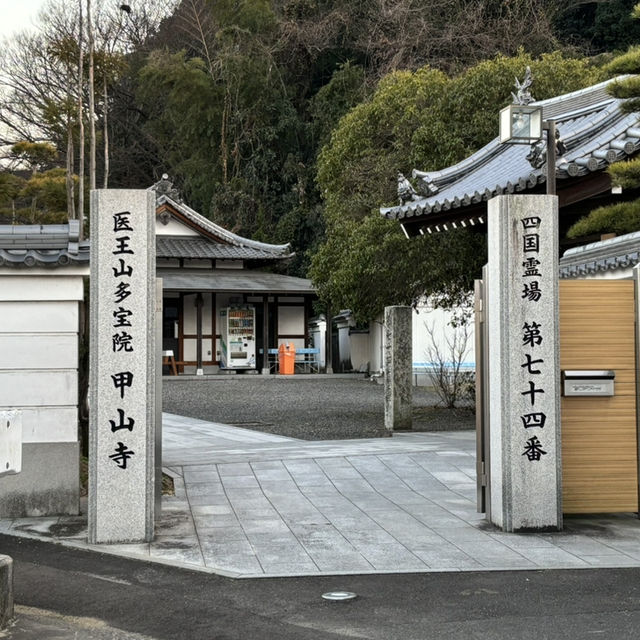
(592, 127)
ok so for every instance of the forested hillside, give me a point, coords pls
(285, 120)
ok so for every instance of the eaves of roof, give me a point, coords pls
(593, 128)
(233, 280)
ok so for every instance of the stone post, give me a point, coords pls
(122, 367)
(524, 389)
(398, 364)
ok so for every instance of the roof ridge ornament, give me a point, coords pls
(406, 192)
(426, 186)
(537, 156)
(164, 187)
(523, 95)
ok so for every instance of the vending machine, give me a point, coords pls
(238, 338)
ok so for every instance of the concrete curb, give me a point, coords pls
(6, 591)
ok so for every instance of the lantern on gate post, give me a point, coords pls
(523, 123)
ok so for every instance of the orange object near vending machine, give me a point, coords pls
(286, 359)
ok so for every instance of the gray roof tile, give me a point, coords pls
(592, 126)
(607, 255)
(209, 227)
(202, 248)
(52, 245)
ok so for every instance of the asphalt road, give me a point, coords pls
(318, 408)
(123, 598)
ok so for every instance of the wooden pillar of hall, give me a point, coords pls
(265, 336)
(199, 303)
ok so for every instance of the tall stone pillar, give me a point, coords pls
(122, 366)
(524, 389)
(398, 365)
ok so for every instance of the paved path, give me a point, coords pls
(255, 504)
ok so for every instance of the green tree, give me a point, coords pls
(425, 120)
(599, 26)
(35, 155)
(10, 187)
(621, 217)
(225, 121)
(39, 199)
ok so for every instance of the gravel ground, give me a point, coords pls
(307, 408)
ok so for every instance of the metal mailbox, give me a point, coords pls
(588, 383)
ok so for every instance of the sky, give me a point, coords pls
(17, 14)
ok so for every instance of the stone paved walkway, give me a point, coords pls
(254, 504)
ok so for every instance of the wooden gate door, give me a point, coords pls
(599, 434)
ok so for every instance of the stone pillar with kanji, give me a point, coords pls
(122, 367)
(524, 376)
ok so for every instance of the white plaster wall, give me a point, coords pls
(49, 424)
(37, 317)
(207, 349)
(190, 345)
(440, 320)
(36, 288)
(189, 314)
(206, 313)
(376, 345)
(360, 351)
(369, 348)
(297, 342)
(173, 228)
(39, 350)
(318, 337)
(290, 320)
(43, 351)
(36, 388)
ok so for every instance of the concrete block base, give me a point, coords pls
(6, 591)
(48, 485)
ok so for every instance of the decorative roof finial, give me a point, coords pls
(523, 95)
(164, 187)
(406, 192)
